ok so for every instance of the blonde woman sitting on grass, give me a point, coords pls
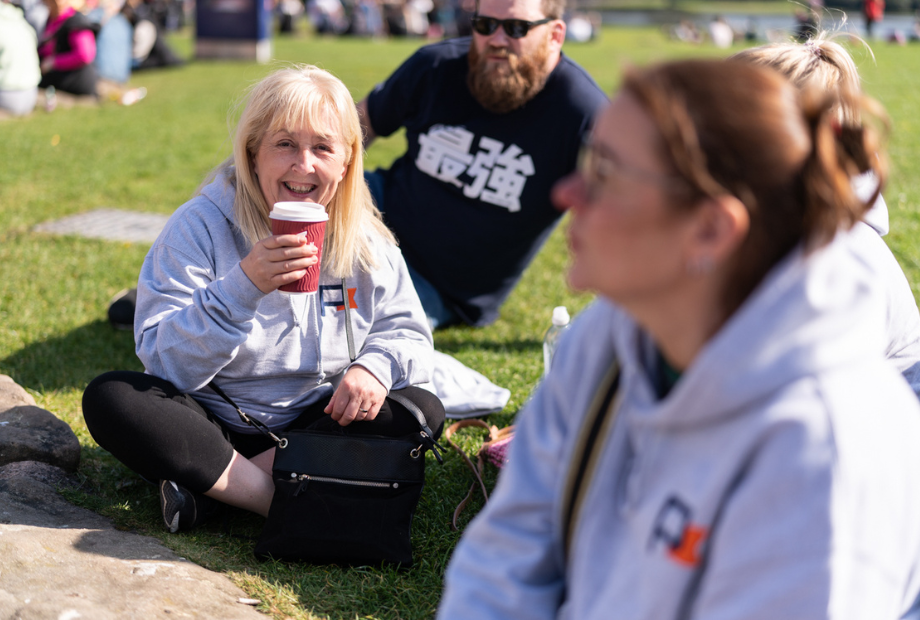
(209, 309)
(826, 66)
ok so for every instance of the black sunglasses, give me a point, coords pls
(514, 28)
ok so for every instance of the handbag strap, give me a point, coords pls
(258, 425)
(425, 432)
(588, 448)
(348, 334)
(477, 469)
(427, 436)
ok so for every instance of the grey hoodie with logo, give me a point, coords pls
(778, 479)
(199, 318)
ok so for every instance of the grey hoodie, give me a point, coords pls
(789, 426)
(902, 318)
(199, 318)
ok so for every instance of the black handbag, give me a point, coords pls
(344, 498)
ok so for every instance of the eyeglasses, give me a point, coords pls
(514, 28)
(598, 164)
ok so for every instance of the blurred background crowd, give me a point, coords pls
(73, 51)
(54, 49)
(433, 19)
(61, 51)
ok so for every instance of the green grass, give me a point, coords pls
(151, 158)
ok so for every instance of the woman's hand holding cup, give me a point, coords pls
(279, 260)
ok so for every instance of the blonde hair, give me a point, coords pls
(290, 98)
(820, 63)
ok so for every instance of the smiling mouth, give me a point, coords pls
(300, 190)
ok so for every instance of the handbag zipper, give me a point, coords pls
(303, 478)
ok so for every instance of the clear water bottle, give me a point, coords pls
(50, 99)
(560, 323)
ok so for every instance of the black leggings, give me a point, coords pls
(163, 434)
(80, 81)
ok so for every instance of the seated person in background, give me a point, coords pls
(806, 24)
(288, 11)
(491, 123)
(71, 60)
(149, 48)
(19, 71)
(583, 26)
(758, 456)
(67, 49)
(113, 43)
(721, 33)
(687, 32)
(825, 65)
(327, 16)
(36, 12)
(208, 309)
(366, 19)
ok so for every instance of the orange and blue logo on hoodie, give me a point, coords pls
(675, 530)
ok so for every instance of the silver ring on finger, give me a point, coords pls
(363, 410)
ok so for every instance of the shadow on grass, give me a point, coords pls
(108, 488)
(450, 343)
(74, 359)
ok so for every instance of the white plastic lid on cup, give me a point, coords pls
(299, 212)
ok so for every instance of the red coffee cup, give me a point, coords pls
(309, 220)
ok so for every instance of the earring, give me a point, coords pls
(700, 266)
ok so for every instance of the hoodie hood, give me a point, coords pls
(811, 313)
(222, 192)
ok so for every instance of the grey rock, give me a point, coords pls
(12, 395)
(59, 561)
(42, 472)
(29, 433)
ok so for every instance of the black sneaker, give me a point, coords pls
(121, 309)
(183, 509)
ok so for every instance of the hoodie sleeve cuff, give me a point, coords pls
(379, 364)
(237, 286)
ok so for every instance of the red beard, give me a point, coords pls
(507, 86)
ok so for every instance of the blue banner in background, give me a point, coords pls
(233, 19)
